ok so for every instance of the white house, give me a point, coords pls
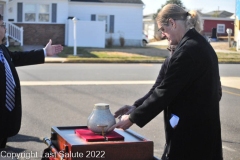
(149, 26)
(42, 20)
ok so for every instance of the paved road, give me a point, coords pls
(47, 101)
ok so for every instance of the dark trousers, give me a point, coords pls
(3, 142)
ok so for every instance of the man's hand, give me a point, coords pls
(52, 50)
(124, 123)
(126, 109)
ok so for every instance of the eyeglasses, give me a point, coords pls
(165, 24)
(161, 29)
(3, 25)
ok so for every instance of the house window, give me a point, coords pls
(37, 13)
(104, 18)
(220, 28)
(44, 13)
(30, 15)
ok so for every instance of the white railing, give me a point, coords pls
(15, 32)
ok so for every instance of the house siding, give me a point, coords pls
(127, 19)
(39, 34)
(209, 24)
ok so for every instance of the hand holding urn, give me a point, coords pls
(101, 119)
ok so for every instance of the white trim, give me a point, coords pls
(108, 21)
(106, 4)
(148, 20)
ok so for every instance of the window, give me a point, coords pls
(44, 13)
(220, 28)
(30, 15)
(109, 21)
(36, 13)
(104, 18)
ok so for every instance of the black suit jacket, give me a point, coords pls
(10, 122)
(190, 89)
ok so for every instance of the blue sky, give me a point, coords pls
(151, 6)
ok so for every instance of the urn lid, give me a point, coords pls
(101, 106)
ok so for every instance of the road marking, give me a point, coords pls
(229, 149)
(233, 82)
(59, 83)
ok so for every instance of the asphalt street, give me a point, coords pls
(64, 95)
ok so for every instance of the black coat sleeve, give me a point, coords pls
(180, 71)
(27, 57)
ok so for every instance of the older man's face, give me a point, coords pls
(168, 30)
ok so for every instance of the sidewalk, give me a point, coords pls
(55, 60)
(31, 47)
(232, 82)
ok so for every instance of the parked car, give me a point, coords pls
(145, 40)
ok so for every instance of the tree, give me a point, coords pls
(178, 2)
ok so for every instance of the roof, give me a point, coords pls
(218, 13)
(110, 1)
(148, 16)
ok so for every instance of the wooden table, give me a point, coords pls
(65, 144)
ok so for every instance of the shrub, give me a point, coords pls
(122, 41)
(109, 41)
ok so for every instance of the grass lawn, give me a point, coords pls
(117, 54)
(130, 54)
(228, 57)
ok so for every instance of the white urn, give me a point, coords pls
(101, 119)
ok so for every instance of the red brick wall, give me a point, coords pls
(39, 34)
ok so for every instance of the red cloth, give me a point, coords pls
(89, 136)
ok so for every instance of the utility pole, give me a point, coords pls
(75, 35)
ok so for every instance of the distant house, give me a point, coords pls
(237, 25)
(149, 26)
(221, 20)
(98, 20)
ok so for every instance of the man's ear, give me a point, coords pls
(172, 23)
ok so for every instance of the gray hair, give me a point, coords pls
(191, 18)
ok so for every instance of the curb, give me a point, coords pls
(89, 60)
